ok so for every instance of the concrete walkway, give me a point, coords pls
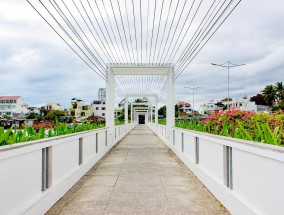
(139, 176)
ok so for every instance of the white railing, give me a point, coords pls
(246, 177)
(35, 175)
(160, 130)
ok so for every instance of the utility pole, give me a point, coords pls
(228, 65)
(193, 89)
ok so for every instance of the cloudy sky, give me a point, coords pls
(37, 65)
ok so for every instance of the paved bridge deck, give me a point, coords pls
(139, 176)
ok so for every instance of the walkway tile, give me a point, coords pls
(141, 175)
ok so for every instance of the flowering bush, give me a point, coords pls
(248, 125)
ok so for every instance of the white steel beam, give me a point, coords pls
(126, 111)
(170, 106)
(110, 103)
(126, 69)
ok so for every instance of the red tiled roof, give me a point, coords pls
(9, 97)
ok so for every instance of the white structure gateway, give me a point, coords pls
(164, 72)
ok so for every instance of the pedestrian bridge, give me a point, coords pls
(140, 49)
(140, 175)
(138, 171)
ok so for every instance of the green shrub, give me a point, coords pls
(247, 125)
(13, 136)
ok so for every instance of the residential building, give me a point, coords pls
(121, 104)
(34, 110)
(80, 109)
(102, 93)
(145, 100)
(118, 112)
(12, 106)
(53, 106)
(184, 108)
(50, 106)
(211, 106)
(99, 107)
(235, 103)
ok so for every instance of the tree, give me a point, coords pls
(279, 90)
(177, 110)
(33, 115)
(259, 99)
(53, 114)
(270, 94)
(138, 101)
(163, 111)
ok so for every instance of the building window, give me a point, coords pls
(97, 108)
(103, 114)
(103, 108)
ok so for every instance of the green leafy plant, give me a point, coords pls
(13, 135)
(247, 125)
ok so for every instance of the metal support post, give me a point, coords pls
(110, 103)
(170, 105)
(126, 111)
(131, 112)
(156, 110)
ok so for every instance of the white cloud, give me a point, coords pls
(23, 57)
(35, 62)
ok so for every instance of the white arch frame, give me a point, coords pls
(122, 69)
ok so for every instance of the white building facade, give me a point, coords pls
(99, 107)
(102, 93)
(12, 106)
(242, 104)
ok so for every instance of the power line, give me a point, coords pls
(178, 74)
(104, 77)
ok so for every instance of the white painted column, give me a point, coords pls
(126, 111)
(156, 110)
(131, 113)
(110, 103)
(151, 114)
(170, 106)
(136, 116)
